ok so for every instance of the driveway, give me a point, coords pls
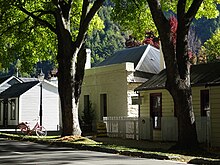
(20, 152)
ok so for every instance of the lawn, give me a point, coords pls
(198, 157)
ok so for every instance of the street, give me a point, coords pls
(20, 152)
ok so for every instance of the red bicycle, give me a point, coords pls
(38, 129)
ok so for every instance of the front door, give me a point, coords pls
(156, 109)
(103, 105)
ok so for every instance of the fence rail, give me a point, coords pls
(123, 127)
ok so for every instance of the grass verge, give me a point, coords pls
(89, 144)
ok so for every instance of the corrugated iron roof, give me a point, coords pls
(202, 74)
(146, 58)
(4, 78)
(17, 89)
(133, 54)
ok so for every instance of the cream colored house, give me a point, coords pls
(157, 112)
(110, 85)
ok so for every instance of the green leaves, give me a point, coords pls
(208, 9)
(25, 38)
(212, 47)
(135, 16)
(104, 43)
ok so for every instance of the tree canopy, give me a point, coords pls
(212, 47)
(103, 43)
(135, 16)
(56, 25)
(23, 37)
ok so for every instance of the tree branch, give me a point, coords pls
(65, 8)
(70, 2)
(163, 28)
(41, 21)
(181, 7)
(84, 25)
(11, 27)
(85, 8)
(157, 14)
(193, 9)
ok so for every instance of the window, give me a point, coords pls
(136, 100)
(156, 109)
(13, 110)
(86, 102)
(103, 105)
(174, 109)
(204, 102)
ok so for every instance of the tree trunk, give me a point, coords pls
(67, 54)
(65, 82)
(182, 97)
(69, 94)
(71, 61)
(178, 67)
(187, 136)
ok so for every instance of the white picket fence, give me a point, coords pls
(141, 128)
(123, 127)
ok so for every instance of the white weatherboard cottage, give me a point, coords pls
(20, 102)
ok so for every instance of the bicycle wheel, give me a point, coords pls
(23, 128)
(41, 131)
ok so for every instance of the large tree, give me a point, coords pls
(173, 33)
(64, 21)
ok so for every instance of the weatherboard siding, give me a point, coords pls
(50, 107)
(215, 115)
(30, 106)
(169, 130)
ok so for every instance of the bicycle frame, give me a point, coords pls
(25, 128)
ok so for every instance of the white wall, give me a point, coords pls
(110, 80)
(30, 106)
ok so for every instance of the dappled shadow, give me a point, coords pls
(204, 162)
(163, 147)
(15, 152)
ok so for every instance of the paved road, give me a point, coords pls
(15, 152)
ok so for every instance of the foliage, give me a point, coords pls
(23, 38)
(57, 26)
(204, 28)
(150, 38)
(134, 17)
(88, 114)
(212, 47)
(107, 41)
